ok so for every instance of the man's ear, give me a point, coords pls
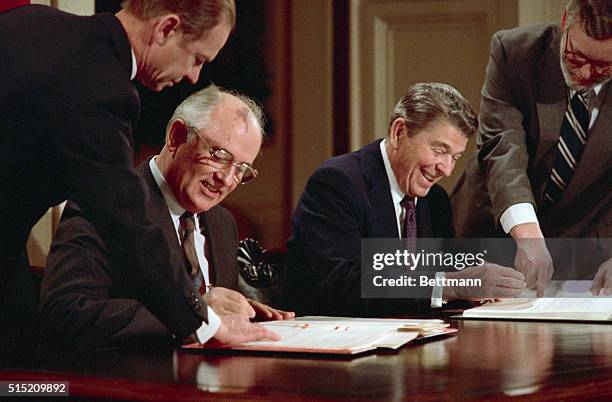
(167, 26)
(396, 131)
(177, 135)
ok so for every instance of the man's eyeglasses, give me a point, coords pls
(579, 60)
(221, 159)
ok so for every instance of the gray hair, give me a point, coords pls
(197, 16)
(432, 102)
(196, 109)
(593, 16)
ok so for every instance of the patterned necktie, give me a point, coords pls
(572, 139)
(409, 227)
(186, 232)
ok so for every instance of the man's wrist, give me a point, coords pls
(526, 231)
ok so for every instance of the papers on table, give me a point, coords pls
(340, 335)
(565, 300)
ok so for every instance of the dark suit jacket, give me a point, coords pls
(67, 109)
(522, 108)
(87, 297)
(346, 199)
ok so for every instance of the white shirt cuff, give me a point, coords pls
(436, 294)
(517, 214)
(207, 331)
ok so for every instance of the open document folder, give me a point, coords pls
(564, 301)
(341, 335)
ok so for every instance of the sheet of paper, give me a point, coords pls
(323, 335)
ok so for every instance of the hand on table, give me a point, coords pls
(225, 301)
(236, 328)
(603, 279)
(534, 261)
(263, 312)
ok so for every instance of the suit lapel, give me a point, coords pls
(157, 209)
(423, 217)
(379, 192)
(551, 102)
(597, 155)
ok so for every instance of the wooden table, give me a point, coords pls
(486, 360)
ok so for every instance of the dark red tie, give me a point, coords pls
(409, 226)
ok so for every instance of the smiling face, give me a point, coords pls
(169, 58)
(197, 185)
(585, 62)
(420, 160)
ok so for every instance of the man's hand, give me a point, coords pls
(225, 301)
(263, 312)
(603, 279)
(497, 282)
(236, 328)
(532, 257)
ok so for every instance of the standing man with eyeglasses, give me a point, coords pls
(544, 161)
(87, 298)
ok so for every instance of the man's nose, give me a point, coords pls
(586, 71)
(226, 175)
(446, 166)
(194, 74)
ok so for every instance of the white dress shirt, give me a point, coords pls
(397, 196)
(524, 212)
(206, 331)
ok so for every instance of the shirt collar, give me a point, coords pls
(134, 65)
(173, 205)
(396, 193)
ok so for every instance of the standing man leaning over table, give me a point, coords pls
(67, 110)
(544, 161)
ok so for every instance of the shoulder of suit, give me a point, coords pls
(437, 192)
(525, 37)
(220, 212)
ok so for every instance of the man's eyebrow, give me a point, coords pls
(437, 143)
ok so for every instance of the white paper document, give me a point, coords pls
(546, 308)
(340, 335)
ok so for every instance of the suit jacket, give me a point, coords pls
(522, 108)
(67, 109)
(87, 297)
(346, 199)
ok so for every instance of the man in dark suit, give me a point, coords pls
(528, 179)
(87, 297)
(360, 195)
(67, 110)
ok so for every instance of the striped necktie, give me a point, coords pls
(187, 235)
(573, 137)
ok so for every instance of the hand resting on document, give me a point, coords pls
(532, 256)
(227, 301)
(497, 282)
(602, 282)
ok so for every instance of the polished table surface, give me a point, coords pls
(488, 360)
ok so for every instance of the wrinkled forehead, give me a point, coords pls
(592, 48)
(233, 127)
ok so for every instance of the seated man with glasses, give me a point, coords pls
(86, 297)
(544, 146)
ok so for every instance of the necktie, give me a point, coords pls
(573, 137)
(186, 232)
(409, 227)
